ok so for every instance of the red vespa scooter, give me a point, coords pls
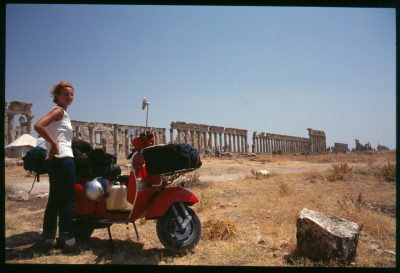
(101, 202)
(123, 199)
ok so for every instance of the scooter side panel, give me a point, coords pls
(164, 200)
(83, 206)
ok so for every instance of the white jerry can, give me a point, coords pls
(116, 199)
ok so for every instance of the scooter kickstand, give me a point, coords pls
(137, 233)
(110, 238)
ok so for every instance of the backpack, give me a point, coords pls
(81, 150)
(103, 164)
(35, 160)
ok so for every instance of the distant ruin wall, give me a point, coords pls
(317, 140)
(340, 147)
(112, 137)
(209, 138)
(362, 148)
(382, 148)
(11, 110)
(267, 143)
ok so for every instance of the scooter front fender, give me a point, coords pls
(164, 200)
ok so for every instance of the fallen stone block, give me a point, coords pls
(321, 237)
(262, 172)
(18, 196)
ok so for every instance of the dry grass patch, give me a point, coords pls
(340, 172)
(314, 176)
(12, 224)
(215, 229)
(388, 172)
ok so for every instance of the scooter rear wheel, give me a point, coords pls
(173, 237)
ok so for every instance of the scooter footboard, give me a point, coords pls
(164, 200)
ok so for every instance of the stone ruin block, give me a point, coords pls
(321, 237)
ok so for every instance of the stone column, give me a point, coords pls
(266, 143)
(209, 146)
(171, 135)
(191, 138)
(225, 143)
(115, 144)
(10, 127)
(240, 141)
(29, 123)
(294, 145)
(91, 135)
(220, 142)
(127, 141)
(199, 142)
(242, 144)
(178, 137)
(254, 145)
(204, 141)
(237, 143)
(284, 145)
(246, 145)
(234, 143)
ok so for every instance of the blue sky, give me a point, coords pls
(266, 69)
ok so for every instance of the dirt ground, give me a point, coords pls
(261, 211)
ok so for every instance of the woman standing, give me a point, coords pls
(55, 127)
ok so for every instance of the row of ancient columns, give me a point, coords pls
(271, 143)
(113, 138)
(210, 138)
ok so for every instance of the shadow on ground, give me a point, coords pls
(24, 247)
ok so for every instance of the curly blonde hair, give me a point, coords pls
(56, 89)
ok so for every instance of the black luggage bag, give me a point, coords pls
(35, 160)
(171, 158)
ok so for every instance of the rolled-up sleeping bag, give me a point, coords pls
(163, 159)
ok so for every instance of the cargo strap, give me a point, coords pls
(37, 178)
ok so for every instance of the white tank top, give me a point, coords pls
(61, 131)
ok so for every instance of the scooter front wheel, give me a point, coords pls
(173, 236)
